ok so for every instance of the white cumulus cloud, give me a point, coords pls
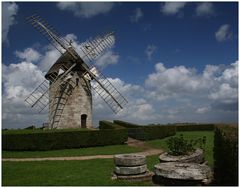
(9, 11)
(49, 58)
(172, 8)
(109, 58)
(86, 9)
(205, 9)
(216, 85)
(18, 81)
(224, 33)
(226, 91)
(172, 81)
(29, 55)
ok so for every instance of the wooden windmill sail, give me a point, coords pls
(68, 84)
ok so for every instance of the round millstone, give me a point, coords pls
(131, 170)
(129, 160)
(184, 171)
(195, 157)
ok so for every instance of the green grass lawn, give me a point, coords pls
(104, 150)
(95, 172)
(208, 153)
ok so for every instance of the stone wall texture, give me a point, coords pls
(70, 103)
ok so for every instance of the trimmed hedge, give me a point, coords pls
(149, 132)
(179, 127)
(195, 127)
(226, 155)
(109, 125)
(159, 131)
(63, 140)
(137, 133)
(126, 124)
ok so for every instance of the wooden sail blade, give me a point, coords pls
(49, 33)
(105, 89)
(92, 49)
(38, 99)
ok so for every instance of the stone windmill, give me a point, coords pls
(67, 89)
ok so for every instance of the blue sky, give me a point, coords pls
(175, 62)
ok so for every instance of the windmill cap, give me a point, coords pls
(64, 60)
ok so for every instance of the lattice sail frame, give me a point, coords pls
(39, 98)
(113, 98)
(91, 49)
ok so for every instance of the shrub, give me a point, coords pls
(51, 140)
(180, 146)
(109, 125)
(226, 155)
(195, 127)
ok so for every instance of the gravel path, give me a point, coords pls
(147, 151)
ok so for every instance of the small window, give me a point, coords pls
(77, 81)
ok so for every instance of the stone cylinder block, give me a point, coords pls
(133, 170)
(129, 160)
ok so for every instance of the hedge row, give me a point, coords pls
(152, 132)
(161, 131)
(226, 155)
(149, 132)
(126, 124)
(179, 127)
(63, 140)
(109, 125)
(195, 127)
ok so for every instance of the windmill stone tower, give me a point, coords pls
(70, 104)
(69, 82)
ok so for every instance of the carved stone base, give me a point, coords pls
(140, 177)
(129, 160)
(130, 170)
